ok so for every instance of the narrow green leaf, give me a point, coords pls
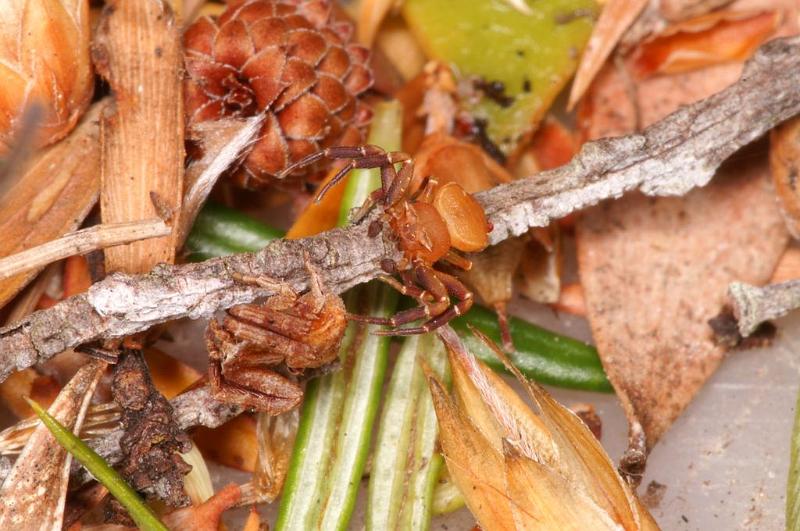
(793, 485)
(139, 511)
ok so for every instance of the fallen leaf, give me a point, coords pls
(654, 270)
(715, 38)
(36, 488)
(784, 158)
(52, 198)
(616, 17)
(545, 465)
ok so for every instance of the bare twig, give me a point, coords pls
(753, 305)
(82, 242)
(669, 158)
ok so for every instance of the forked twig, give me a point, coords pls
(671, 157)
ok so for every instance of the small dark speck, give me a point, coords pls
(520, 53)
(526, 85)
(793, 178)
(159, 51)
(683, 517)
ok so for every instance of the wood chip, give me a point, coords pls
(137, 49)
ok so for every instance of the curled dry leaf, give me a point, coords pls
(707, 40)
(520, 469)
(616, 17)
(44, 60)
(784, 159)
(642, 259)
(370, 16)
(36, 488)
(55, 194)
(137, 50)
(276, 436)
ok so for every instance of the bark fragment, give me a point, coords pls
(151, 440)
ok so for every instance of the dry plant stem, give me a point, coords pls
(137, 49)
(669, 158)
(81, 242)
(752, 305)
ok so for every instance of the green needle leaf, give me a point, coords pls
(139, 511)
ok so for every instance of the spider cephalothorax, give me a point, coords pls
(430, 224)
(258, 350)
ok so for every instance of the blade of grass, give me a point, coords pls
(141, 513)
(339, 410)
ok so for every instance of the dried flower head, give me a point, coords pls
(290, 59)
(44, 59)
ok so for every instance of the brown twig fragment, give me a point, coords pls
(752, 305)
(670, 157)
(81, 242)
(137, 49)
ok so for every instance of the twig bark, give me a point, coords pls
(669, 158)
(81, 242)
(752, 305)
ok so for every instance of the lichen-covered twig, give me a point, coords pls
(669, 158)
(752, 305)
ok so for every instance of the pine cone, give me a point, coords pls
(293, 61)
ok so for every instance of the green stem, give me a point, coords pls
(139, 511)
(336, 423)
(793, 484)
(405, 465)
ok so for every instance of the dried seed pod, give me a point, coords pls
(44, 60)
(291, 60)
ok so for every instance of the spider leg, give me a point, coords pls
(454, 288)
(277, 287)
(455, 259)
(334, 153)
(397, 189)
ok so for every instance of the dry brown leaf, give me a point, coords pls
(472, 461)
(170, 376)
(784, 158)
(707, 40)
(276, 435)
(554, 470)
(539, 275)
(616, 17)
(44, 59)
(52, 198)
(137, 49)
(400, 47)
(35, 490)
(654, 270)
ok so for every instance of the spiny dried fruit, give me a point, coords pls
(290, 59)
